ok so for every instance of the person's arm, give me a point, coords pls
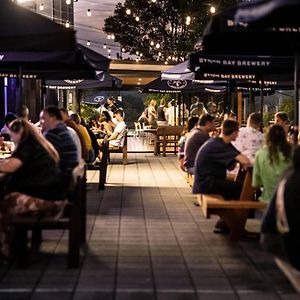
(243, 160)
(10, 165)
(113, 136)
(256, 177)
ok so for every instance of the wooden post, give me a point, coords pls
(240, 107)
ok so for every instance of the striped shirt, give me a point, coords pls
(62, 141)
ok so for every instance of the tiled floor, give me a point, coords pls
(146, 240)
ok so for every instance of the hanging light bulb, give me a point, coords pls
(112, 36)
(188, 20)
(128, 11)
(137, 59)
(137, 52)
(137, 18)
(169, 57)
(212, 9)
(108, 50)
(68, 2)
(88, 13)
(152, 43)
(157, 46)
(141, 54)
(67, 24)
(159, 53)
(153, 1)
(166, 62)
(123, 49)
(41, 6)
(104, 46)
(109, 56)
(88, 43)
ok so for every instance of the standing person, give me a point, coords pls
(152, 114)
(199, 110)
(271, 161)
(197, 137)
(87, 139)
(213, 160)
(111, 108)
(36, 183)
(250, 138)
(161, 117)
(71, 124)
(56, 132)
(9, 117)
(117, 138)
(170, 113)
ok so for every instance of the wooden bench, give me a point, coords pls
(233, 212)
(120, 150)
(290, 272)
(75, 223)
(167, 136)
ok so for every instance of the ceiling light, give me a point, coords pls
(88, 13)
(212, 9)
(137, 18)
(67, 24)
(41, 6)
(68, 2)
(128, 11)
(88, 43)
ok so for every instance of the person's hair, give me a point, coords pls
(276, 143)
(172, 102)
(191, 123)
(9, 117)
(111, 99)
(204, 119)
(162, 101)
(76, 118)
(200, 105)
(282, 115)
(152, 102)
(229, 127)
(119, 112)
(24, 112)
(105, 116)
(54, 112)
(30, 130)
(255, 119)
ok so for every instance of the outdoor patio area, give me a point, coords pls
(147, 240)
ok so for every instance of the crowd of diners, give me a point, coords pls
(45, 154)
(211, 154)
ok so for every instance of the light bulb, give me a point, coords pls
(88, 43)
(137, 18)
(153, 1)
(128, 11)
(109, 55)
(109, 36)
(166, 62)
(152, 43)
(67, 24)
(141, 54)
(104, 46)
(108, 50)
(68, 2)
(112, 36)
(42, 6)
(188, 20)
(123, 50)
(88, 13)
(212, 10)
(157, 46)
(159, 53)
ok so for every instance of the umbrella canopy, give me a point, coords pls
(179, 86)
(108, 82)
(178, 72)
(24, 30)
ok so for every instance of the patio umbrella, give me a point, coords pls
(178, 72)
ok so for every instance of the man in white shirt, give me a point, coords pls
(117, 138)
(250, 139)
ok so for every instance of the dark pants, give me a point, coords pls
(230, 190)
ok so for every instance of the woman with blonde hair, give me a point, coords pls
(36, 183)
(152, 114)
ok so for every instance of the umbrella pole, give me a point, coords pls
(20, 91)
(296, 98)
(262, 98)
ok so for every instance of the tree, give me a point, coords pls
(160, 29)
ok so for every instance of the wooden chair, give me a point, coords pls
(139, 132)
(122, 149)
(75, 223)
(167, 136)
(233, 213)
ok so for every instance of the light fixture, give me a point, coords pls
(68, 2)
(123, 49)
(137, 18)
(88, 43)
(128, 11)
(88, 13)
(137, 52)
(104, 46)
(153, 1)
(108, 50)
(109, 56)
(188, 20)
(152, 43)
(137, 60)
(159, 53)
(166, 62)
(141, 54)
(67, 24)
(112, 36)
(157, 46)
(109, 36)
(212, 9)
(169, 57)
(139, 83)
(41, 6)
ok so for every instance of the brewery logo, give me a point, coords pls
(74, 81)
(177, 84)
(99, 99)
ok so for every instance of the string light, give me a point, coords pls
(88, 13)
(112, 36)
(41, 6)
(157, 46)
(108, 36)
(123, 50)
(159, 53)
(153, 1)
(109, 56)
(188, 20)
(88, 43)
(137, 18)
(212, 9)
(141, 54)
(152, 43)
(128, 11)
(67, 24)
(108, 50)
(68, 2)
(104, 46)
(166, 62)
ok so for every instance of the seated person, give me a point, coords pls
(9, 117)
(56, 132)
(212, 161)
(197, 137)
(250, 138)
(36, 181)
(117, 138)
(271, 161)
